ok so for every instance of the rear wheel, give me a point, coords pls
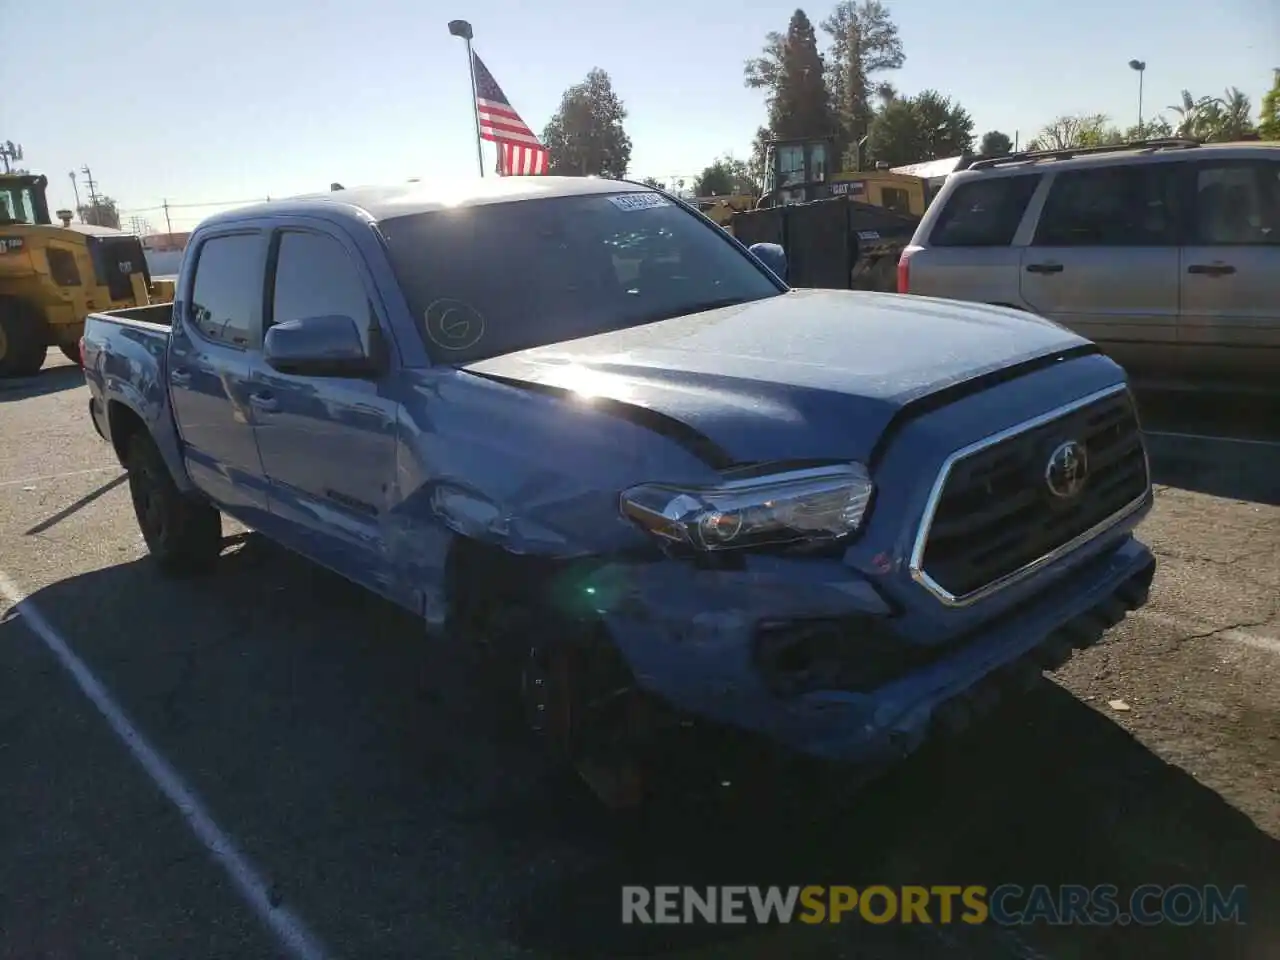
(72, 353)
(183, 535)
(23, 339)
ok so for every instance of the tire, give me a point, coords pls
(71, 353)
(184, 536)
(557, 683)
(22, 340)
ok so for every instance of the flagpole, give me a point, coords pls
(460, 28)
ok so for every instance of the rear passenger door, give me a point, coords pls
(215, 323)
(1230, 269)
(1104, 260)
(328, 444)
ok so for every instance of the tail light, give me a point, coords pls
(904, 271)
(81, 344)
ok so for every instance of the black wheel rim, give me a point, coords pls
(148, 503)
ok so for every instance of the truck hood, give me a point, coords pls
(808, 374)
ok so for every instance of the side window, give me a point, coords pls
(228, 288)
(315, 277)
(896, 199)
(1110, 207)
(984, 212)
(1237, 203)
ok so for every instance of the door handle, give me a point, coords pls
(1212, 269)
(264, 402)
(180, 377)
(1044, 268)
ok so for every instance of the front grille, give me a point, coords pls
(996, 516)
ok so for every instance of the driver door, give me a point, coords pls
(328, 444)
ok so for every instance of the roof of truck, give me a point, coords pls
(404, 199)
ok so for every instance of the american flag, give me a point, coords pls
(519, 151)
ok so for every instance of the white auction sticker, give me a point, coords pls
(639, 201)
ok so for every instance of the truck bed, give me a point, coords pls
(155, 314)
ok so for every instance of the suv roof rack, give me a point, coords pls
(1165, 143)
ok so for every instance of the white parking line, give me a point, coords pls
(1258, 641)
(292, 935)
(60, 476)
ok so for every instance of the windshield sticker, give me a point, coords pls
(639, 201)
(453, 324)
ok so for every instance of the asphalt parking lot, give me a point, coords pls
(350, 791)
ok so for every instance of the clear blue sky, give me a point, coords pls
(198, 101)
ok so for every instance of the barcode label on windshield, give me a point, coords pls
(639, 201)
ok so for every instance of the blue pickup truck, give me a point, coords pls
(573, 421)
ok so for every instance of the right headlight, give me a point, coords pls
(784, 506)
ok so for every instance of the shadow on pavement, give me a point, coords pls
(1221, 468)
(49, 380)
(375, 778)
(88, 498)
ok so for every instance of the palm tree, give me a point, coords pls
(1190, 116)
(1236, 119)
(1214, 118)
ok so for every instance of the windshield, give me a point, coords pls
(17, 205)
(496, 278)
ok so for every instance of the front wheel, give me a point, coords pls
(22, 339)
(183, 535)
(566, 700)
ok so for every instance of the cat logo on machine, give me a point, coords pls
(125, 267)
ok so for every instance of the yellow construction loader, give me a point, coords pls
(53, 275)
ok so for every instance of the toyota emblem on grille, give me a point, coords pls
(1067, 469)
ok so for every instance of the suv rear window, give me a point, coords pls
(984, 212)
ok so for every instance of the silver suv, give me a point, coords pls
(1165, 253)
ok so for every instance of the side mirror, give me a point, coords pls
(326, 346)
(773, 257)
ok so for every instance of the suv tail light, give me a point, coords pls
(904, 271)
(81, 345)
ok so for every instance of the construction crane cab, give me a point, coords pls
(53, 275)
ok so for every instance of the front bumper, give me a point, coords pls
(704, 660)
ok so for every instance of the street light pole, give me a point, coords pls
(1141, 67)
(460, 28)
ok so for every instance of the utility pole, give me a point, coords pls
(168, 225)
(93, 190)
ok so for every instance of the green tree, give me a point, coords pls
(864, 42)
(727, 176)
(653, 182)
(791, 72)
(1269, 115)
(1076, 130)
(102, 212)
(586, 136)
(1214, 119)
(756, 164)
(927, 126)
(1154, 128)
(995, 144)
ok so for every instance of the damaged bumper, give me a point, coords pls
(805, 653)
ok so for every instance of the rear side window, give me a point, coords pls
(984, 212)
(1237, 202)
(315, 277)
(228, 288)
(1128, 206)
